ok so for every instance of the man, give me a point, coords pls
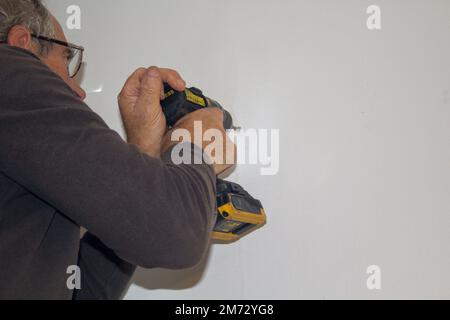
(62, 168)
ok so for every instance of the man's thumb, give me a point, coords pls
(151, 86)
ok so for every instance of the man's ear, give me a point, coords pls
(20, 36)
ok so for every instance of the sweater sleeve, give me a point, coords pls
(150, 212)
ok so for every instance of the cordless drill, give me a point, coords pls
(238, 212)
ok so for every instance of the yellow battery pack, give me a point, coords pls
(238, 214)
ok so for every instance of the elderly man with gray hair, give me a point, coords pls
(63, 169)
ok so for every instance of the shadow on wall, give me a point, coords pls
(153, 279)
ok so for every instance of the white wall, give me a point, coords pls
(365, 136)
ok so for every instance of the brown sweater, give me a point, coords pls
(61, 167)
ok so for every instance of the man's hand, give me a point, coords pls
(210, 118)
(140, 107)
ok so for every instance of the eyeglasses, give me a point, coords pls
(74, 54)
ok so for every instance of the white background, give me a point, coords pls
(365, 138)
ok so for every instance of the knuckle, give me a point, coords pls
(217, 114)
(213, 114)
(154, 69)
(170, 71)
(174, 74)
(138, 73)
(150, 90)
(121, 95)
(171, 75)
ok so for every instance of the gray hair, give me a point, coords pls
(31, 14)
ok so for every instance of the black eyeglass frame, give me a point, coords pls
(65, 44)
